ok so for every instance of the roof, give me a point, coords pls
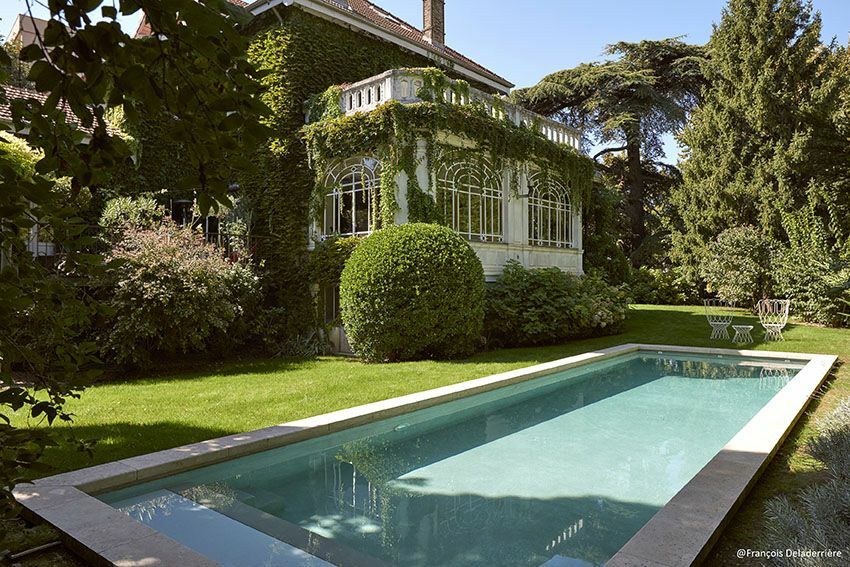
(385, 20)
(397, 26)
(13, 92)
(144, 29)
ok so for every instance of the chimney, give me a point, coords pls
(434, 28)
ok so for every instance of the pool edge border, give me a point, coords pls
(685, 530)
(104, 536)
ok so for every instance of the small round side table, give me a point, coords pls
(742, 334)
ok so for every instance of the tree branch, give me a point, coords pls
(608, 151)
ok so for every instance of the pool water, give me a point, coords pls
(558, 471)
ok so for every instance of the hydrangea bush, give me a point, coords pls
(545, 306)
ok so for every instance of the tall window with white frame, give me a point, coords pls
(550, 219)
(353, 184)
(473, 200)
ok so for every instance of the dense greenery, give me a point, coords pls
(301, 56)
(813, 270)
(662, 286)
(413, 291)
(547, 306)
(770, 134)
(391, 133)
(631, 101)
(328, 258)
(738, 265)
(142, 212)
(89, 68)
(171, 292)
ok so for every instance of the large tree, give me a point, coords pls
(768, 136)
(627, 104)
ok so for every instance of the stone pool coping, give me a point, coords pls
(681, 533)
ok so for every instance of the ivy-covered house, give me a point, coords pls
(379, 122)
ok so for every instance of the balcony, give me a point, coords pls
(403, 85)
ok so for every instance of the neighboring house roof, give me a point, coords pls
(380, 18)
(13, 92)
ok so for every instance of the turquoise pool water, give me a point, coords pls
(558, 471)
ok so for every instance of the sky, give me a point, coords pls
(524, 40)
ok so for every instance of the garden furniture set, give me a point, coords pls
(773, 316)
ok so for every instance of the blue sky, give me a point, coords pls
(525, 40)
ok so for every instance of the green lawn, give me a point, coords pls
(139, 416)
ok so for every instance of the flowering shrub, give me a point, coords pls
(543, 306)
(172, 292)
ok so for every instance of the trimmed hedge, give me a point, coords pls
(411, 292)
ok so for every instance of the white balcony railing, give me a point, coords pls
(404, 84)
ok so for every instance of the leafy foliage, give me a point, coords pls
(301, 56)
(391, 132)
(646, 91)
(171, 292)
(738, 265)
(126, 212)
(813, 272)
(819, 517)
(547, 306)
(328, 258)
(768, 132)
(14, 69)
(831, 445)
(88, 69)
(662, 286)
(602, 224)
(413, 291)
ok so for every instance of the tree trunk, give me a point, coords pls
(635, 192)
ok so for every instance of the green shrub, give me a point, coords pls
(738, 264)
(412, 291)
(658, 286)
(546, 305)
(328, 258)
(172, 292)
(814, 272)
(603, 221)
(132, 212)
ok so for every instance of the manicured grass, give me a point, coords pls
(139, 416)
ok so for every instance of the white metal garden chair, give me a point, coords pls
(719, 315)
(773, 315)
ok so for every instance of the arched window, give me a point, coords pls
(473, 198)
(550, 219)
(353, 184)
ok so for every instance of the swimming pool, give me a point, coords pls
(562, 469)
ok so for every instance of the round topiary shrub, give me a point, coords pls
(410, 292)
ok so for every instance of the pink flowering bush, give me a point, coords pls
(172, 292)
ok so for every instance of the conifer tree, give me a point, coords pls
(766, 135)
(627, 104)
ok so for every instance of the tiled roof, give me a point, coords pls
(144, 29)
(397, 26)
(393, 24)
(13, 92)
